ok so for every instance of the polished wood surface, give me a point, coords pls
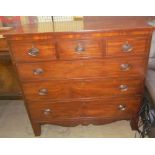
(22, 49)
(87, 24)
(66, 89)
(79, 69)
(86, 108)
(49, 110)
(94, 74)
(76, 49)
(138, 45)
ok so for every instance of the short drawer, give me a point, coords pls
(82, 69)
(75, 49)
(125, 46)
(72, 89)
(33, 51)
(53, 110)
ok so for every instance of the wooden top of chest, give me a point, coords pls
(88, 24)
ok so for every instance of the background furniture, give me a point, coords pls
(9, 85)
(74, 75)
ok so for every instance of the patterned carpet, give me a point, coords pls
(14, 123)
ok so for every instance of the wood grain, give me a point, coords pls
(46, 50)
(139, 44)
(107, 108)
(91, 49)
(82, 69)
(65, 89)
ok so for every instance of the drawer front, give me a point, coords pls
(107, 108)
(112, 108)
(81, 69)
(33, 51)
(52, 110)
(75, 49)
(58, 90)
(125, 46)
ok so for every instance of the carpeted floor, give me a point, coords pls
(14, 123)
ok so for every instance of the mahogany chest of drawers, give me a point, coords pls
(90, 76)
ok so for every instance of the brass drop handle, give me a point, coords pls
(38, 71)
(123, 87)
(125, 67)
(79, 48)
(127, 47)
(122, 107)
(33, 52)
(43, 92)
(47, 111)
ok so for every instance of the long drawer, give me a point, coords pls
(66, 89)
(81, 69)
(106, 108)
